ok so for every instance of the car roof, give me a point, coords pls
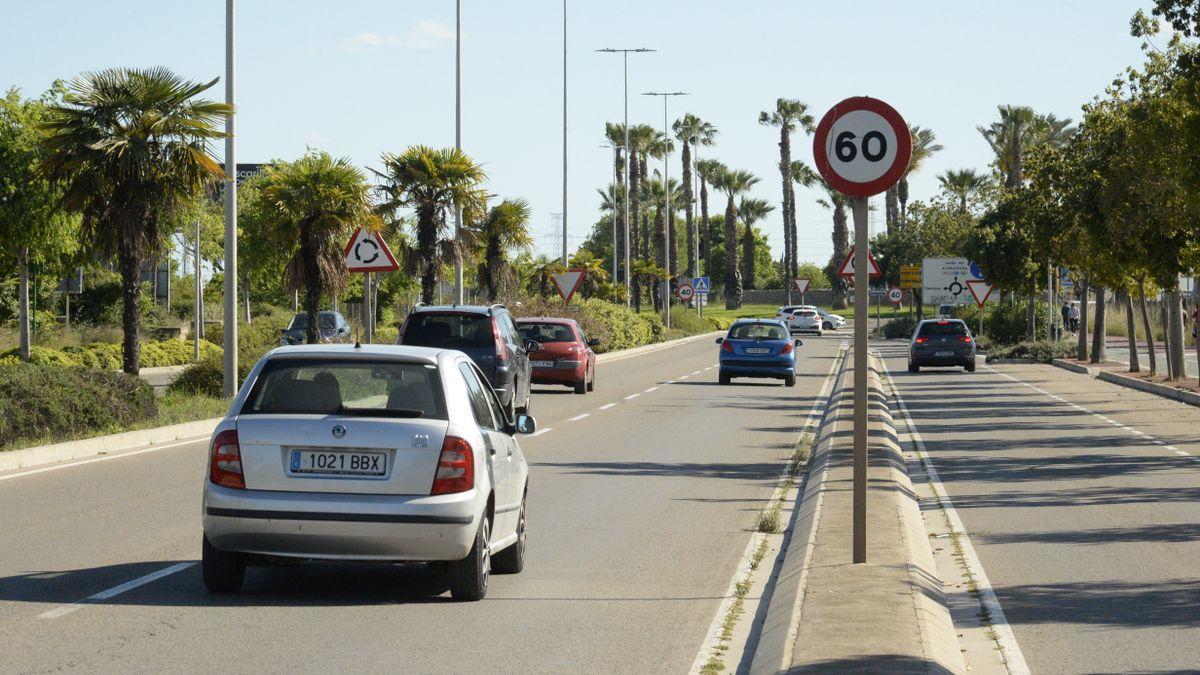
(948, 319)
(545, 319)
(739, 322)
(460, 309)
(424, 354)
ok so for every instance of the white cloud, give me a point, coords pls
(428, 34)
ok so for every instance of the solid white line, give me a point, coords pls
(697, 372)
(1172, 448)
(539, 432)
(1003, 631)
(115, 590)
(632, 396)
(647, 391)
(684, 377)
(104, 458)
(1181, 453)
(579, 417)
(606, 406)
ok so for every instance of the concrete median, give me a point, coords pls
(826, 613)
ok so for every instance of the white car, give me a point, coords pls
(805, 321)
(829, 320)
(374, 453)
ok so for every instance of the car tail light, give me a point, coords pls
(501, 350)
(225, 461)
(787, 348)
(456, 467)
(921, 340)
(943, 323)
(727, 346)
(964, 338)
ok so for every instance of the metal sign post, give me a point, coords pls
(861, 147)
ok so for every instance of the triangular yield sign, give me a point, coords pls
(568, 281)
(367, 252)
(801, 285)
(980, 289)
(846, 271)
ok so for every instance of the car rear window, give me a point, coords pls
(449, 330)
(756, 331)
(300, 321)
(370, 388)
(937, 328)
(807, 313)
(546, 332)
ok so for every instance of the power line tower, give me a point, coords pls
(555, 236)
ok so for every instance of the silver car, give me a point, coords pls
(371, 453)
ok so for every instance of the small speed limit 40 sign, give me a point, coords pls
(862, 146)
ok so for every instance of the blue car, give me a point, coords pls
(758, 348)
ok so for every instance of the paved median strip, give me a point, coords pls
(115, 591)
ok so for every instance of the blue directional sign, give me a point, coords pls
(701, 285)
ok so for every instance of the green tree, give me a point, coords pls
(128, 146)
(594, 275)
(615, 134)
(433, 182)
(751, 211)
(707, 170)
(1019, 130)
(788, 115)
(924, 146)
(962, 184)
(504, 228)
(691, 131)
(733, 183)
(838, 204)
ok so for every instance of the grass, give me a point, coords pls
(173, 408)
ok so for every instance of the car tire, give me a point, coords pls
(591, 385)
(724, 378)
(469, 576)
(512, 559)
(789, 380)
(913, 368)
(970, 367)
(223, 571)
(581, 386)
(827, 325)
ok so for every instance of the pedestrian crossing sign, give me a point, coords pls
(701, 285)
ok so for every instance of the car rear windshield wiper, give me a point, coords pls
(378, 412)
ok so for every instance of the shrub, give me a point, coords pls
(206, 377)
(108, 356)
(899, 328)
(719, 322)
(54, 401)
(1042, 351)
(43, 356)
(1004, 323)
(616, 326)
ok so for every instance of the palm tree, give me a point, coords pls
(653, 194)
(837, 202)
(640, 137)
(924, 145)
(787, 116)
(432, 182)
(691, 130)
(129, 146)
(594, 272)
(615, 133)
(543, 272)
(733, 183)
(659, 148)
(708, 170)
(504, 228)
(961, 184)
(1018, 129)
(311, 207)
(751, 211)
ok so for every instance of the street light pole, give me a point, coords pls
(231, 329)
(666, 284)
(564, 216)
(458, 261)
(613, 146)
(625, 54)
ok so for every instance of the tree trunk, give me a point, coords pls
(23, 302)
(902, 197)
(785, 172)
(748, 262)
(733, 274)
(1131, 333)
(312, 289)
(688, 196)
(1082, 352)
(1175, 322)
(793, 246)
(1100, 329)
(892, 208)
(130, 307)
(1146, 324)
(246, 296)
(841, 245)
(705, 234)
(1030, 316)
(427, 247)
(1162, 308)
(619, 217)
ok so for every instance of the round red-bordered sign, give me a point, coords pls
(862, 146)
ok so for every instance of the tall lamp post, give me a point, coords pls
(231, 331)
(458, 261)
(613, 146)
(625, 54)
(666, 285)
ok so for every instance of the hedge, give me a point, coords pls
(107, 356)
(1043, 351)
(42, 401)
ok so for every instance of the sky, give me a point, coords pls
(358, 78)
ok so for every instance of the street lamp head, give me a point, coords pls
(639, 50)
(666, 93)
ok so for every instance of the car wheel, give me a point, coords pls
(223, 571)
(591, 386)
(724, 378)
(789, 380)
(469, 576)
(512, 559)
(581, 386)
(827, 325)
(913, 368)
(970, 367)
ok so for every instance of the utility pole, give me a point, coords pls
(231, 288)
(458, 261)
(625, 54)
(666, 284)
(199, 288)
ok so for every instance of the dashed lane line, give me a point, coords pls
(647, 391)
(631, 397)
(115, 591)
(606, 406)
(579, 417)
(539, 432)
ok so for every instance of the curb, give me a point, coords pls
(1011, 362)
(1188, 397)
(1074, 367)
(100, 445)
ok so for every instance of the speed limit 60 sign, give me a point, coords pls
(862, 146)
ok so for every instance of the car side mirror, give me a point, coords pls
(283, 331)
(525, 424)
(799, 342)
(532, 346)
(593, 342)
(720, 340)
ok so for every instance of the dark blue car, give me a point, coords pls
(758, 348)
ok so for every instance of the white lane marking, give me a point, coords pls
(709, 368)
(1181, 453)
(115, 590)
(1158, 442)
(1106, 419)
(632, 396)
(104, 458)
(987, 597)
(684, 377)
(647, 391)
(539, 432)
(579, 417)
(1172, 448)
(697, 372)
(606, 406)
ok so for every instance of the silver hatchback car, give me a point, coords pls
(371, 453)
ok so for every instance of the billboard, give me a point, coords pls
(944, 281)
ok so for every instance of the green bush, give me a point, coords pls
(1042, 351)
(1004, 323)
(108, 356)
(719, 322)
(206, 377)
(899, 328)
(41, 401)
(43, 356)
(257, 338)
(616, 326)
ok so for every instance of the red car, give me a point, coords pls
(566, 356)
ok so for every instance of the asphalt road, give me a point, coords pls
(641, 502)
(1082, 501)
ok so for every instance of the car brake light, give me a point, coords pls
(921, 340)
(726, 346)
(943, 323)
(965, 338)
(225, 461)
(787, 348)
(501, 351)
(456, 467)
